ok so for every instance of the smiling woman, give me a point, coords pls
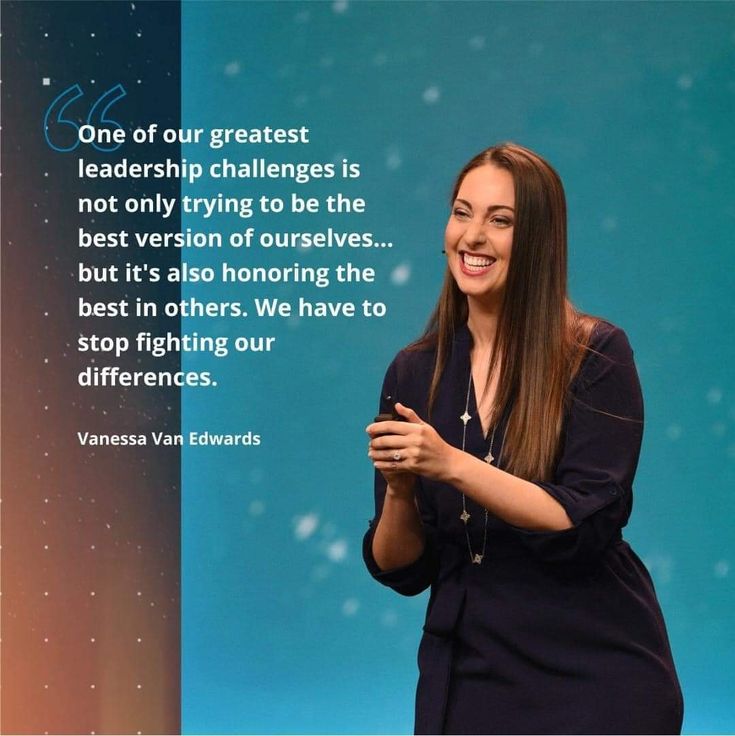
(507, 484)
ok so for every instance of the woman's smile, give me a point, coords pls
(475, 264)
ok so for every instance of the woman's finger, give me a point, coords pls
(395, 455)
(409, 413)
(393, 427)
(390, 442)
(393, 466)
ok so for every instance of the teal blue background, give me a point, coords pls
(283, 630)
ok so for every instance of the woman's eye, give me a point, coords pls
(460, 213)
(501, 221)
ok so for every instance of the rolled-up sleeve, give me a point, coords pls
(593, 478)
(416, 577)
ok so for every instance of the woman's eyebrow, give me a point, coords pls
(491, 208)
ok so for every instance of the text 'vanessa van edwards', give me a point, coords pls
(164, 439)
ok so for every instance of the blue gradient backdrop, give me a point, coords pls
(283, 630)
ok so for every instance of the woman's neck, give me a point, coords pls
(482, 323)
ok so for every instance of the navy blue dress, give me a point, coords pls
(555, 632)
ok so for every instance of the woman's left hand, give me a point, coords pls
(413, 446)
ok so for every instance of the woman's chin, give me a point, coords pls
(486, 298)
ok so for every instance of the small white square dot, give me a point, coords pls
(46, 81)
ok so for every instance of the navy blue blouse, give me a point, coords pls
(555, 632)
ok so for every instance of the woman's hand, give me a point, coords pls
(408, 448)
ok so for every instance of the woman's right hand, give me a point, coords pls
(401, 483)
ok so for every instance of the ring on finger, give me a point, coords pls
(397, 456)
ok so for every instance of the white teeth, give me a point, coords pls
(477, 261)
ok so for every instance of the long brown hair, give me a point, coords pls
(540, 335)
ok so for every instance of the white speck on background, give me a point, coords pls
(714, 395)
(393, 159)
(232, 69)
(337, 551)
(389, 619)
(431, 95)
(661, 567)
(400, 274)
(305, 526)
(350, 607)
(673, 432)
(256, 508)
(609, 224)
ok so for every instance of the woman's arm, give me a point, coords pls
(399, 536)
(398, 547)
(514, 500)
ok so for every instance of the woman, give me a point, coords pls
(505, 478)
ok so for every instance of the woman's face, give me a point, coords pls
(479, 234)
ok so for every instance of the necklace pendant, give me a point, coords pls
(477, 559)
(489, 457)
(464, 516)
(465, 417)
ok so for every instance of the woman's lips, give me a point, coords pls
(474, 264)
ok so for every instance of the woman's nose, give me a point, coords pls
(474, 234)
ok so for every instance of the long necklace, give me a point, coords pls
(475, 557)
